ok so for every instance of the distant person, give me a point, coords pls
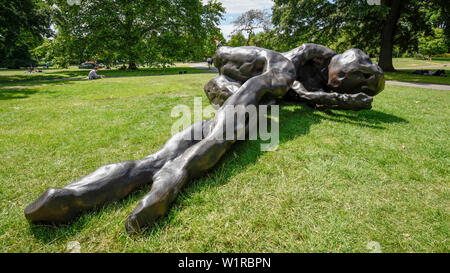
(439, 73)
(210, 62)
(93, 74)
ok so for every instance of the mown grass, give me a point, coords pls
(47, 74)
(416, 62)
(406, 75)
(437, 62)
(338, 180)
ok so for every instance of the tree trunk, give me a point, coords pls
(248, 39)
(387, 34)
(132, 65)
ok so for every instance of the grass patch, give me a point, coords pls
(47, 74)
(416, 62)
(338, 180)
(407, 76)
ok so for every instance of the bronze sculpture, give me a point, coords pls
(247, 76)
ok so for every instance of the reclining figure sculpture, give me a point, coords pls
(311, 73)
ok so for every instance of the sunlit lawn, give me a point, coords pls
(338, 180)
(410, 62)
(408, 76)
(413, 62)
(7, 75)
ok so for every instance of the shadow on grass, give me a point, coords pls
(370, 119)
(11, 91)
(296, 121)
(16, 93)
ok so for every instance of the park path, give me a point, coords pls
(204, 66)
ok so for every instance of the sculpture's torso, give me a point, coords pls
(317, 69)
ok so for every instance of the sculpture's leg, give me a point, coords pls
(108, 183)
(202, 156)
(168, 181)
(322, 99)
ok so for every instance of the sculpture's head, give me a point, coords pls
(354, 72)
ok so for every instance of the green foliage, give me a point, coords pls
(237, 39)
(23, 23)
(264, 39)
(154, 32)
(45, 53)
(431, 45)
(343, 24)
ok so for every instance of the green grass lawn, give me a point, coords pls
(416, 62)
(407, 76)
(338, 180)
(439, 62)
(8, 75)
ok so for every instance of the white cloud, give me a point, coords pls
(241, 6)
(226, 31)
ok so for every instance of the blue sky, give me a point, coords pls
(234, 8)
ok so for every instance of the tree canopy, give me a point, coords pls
(433, 44)
(159, 32)
(23, 24)
(154, 32)
(343, 24)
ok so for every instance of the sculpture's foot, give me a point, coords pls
(149, 210)
(167, 183)
(53, 206)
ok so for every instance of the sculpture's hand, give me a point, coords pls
(325, 100)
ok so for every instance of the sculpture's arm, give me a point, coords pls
(321, 99)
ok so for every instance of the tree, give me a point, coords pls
(237, 39)
(264, 39)
(250, 21)
(431, 45)
(23, 24)
(44, 52)
(348, 23)
(136, 31)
